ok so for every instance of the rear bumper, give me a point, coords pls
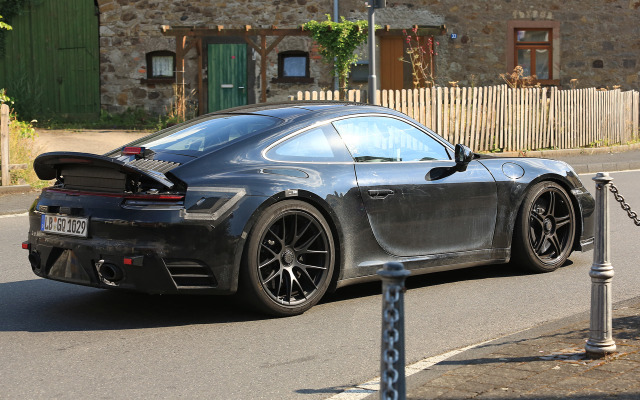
(199, 262)
(586, 204)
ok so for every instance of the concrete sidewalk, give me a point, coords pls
(546, 362)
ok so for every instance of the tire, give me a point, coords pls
(545, 229)
(289, 259)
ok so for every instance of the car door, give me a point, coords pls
(416, 201)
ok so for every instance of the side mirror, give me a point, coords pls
(463, 155)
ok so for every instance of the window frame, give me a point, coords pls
(553, 27)
(427, 133)
(293, 79)
(340, 153)
(159, 53)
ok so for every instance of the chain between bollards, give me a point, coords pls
(392, 352)
(600, 342)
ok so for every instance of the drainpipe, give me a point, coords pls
(335, 19)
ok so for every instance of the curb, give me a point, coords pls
(480, 350)
(570, 152)
(14, 189)
(606, 167)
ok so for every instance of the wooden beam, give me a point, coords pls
(263, 68)
(221, 31)
(274, 44)
(252, 44)
(200, 80)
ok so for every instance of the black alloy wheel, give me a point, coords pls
(289, 260)
(545, 228)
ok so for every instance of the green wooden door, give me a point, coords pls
(51, 60)
(227, 76)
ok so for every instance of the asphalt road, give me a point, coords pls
(64, 341)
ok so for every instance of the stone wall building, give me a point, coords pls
(594, 41)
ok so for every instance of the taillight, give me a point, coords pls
(134, 260)
(26, 245)
(132, 151)
(154, 197)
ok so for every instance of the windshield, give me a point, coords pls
(204, 135)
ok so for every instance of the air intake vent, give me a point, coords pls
(189, 274)
(153, 165)
(93, 179)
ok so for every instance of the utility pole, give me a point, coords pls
(373, 4)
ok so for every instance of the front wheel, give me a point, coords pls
(545, 228)
(289, 259)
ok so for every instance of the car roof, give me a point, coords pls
(290, 111)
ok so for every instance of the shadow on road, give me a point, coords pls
(45, 306)
(439, 278)
(40, 305)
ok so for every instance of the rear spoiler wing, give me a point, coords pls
(46, 165)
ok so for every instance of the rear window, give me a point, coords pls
(204, 135)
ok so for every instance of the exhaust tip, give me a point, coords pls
(109, 273)
(34, 260)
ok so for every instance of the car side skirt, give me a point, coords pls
(431, 263)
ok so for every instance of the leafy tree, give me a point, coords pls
(339, 41)
(4, 25)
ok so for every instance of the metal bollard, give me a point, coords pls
(392, 378)
(600, 341)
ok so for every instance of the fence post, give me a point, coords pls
(392, 379)
(4, 143)
(600, 341)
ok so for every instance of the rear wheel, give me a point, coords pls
(544, 229)
(289, 259)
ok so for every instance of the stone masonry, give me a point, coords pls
(599, 40)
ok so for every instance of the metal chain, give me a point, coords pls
(391, 336)
(624, 204)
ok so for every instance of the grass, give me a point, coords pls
(132, 119)
(22, 150)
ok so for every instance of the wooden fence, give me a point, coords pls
(502, 118)
(4, 143)
(5, 167)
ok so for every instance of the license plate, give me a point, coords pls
(63, 225)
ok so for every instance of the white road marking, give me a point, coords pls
(365, 389)
(14, 215)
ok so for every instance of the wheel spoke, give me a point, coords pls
(288, 290)
(562, 221)
(555, 242)
(284, 231)
(537, 218)
(264, 246)
(537, 247)
(270, 278)
(552, 202)
(298, 284)
(305, 246)
(298, 235)
(280, 240)
(305, 266)
(268, 262)
(306, 273)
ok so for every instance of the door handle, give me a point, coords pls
(380, 193)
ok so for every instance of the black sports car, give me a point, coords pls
(284, 202)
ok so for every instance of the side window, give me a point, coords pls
(161, 65)
(535, 47)
(320, 144)
(380, 139)
(293, 67)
